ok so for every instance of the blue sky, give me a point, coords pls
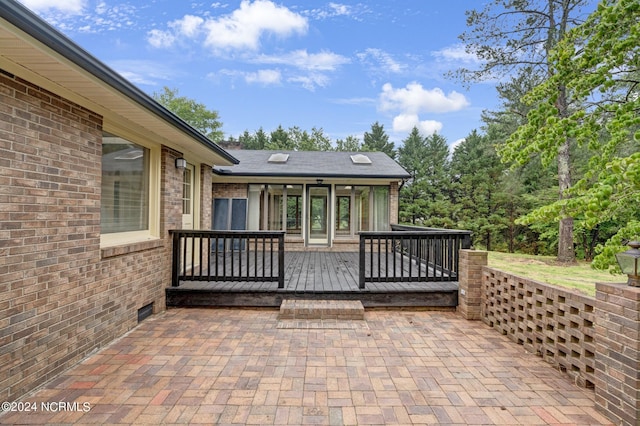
(339, 66)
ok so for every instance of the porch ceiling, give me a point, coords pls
(34, 51)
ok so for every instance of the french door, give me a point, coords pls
(318, 215)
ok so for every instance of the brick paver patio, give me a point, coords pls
(238, 366)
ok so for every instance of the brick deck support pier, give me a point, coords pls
(470, 283)
(617, 372)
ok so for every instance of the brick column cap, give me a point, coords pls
(619, 289)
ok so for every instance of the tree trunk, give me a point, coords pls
(566, 252)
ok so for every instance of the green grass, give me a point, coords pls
(579, 276)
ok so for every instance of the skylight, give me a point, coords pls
(360, 159)
(278, 158)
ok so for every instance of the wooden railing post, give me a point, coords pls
(362, 262)
(466, 241)
(175, 259)
(281, 261)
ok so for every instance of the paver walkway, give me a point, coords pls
(237, 366)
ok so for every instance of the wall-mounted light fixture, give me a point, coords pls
(629, 262)
(319, 181)
(181, 163)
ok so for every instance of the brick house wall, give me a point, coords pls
(61, 295)
(230, 190)
(206, 196)
(394, 195)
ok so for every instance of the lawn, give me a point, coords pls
(546, 269)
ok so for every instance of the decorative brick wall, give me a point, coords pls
(550, 321)
(61, 296)
(594, 340)
(618, 352)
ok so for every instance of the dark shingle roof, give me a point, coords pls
(320, 164)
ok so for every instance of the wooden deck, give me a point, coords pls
(315, 275)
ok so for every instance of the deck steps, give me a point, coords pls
(306, 309)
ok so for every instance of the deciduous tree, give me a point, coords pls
(349, 144)
(197, 115)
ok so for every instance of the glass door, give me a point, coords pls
(187, 197)
(318, 215)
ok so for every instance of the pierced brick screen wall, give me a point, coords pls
(555, 323)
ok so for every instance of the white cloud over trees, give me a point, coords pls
(415, 99)
(412, 100)
(404, 123)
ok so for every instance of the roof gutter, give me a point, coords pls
(26, 21)
(307, 175)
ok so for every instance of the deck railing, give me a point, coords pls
(410, 254)
(227, 256)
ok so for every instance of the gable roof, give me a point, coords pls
(316, 164)
(33, 50)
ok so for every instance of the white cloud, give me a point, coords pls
(355, 101)
(244, 27)
(265, 77)
(67, 6)
(355, 11)
(189, 25)
(455, 144)
(414, 99)
(160, 39)
(143, 72)
(456, 53)
(404, 123)
(316, 65)
(381, 61)
(311, 81)
(323, 61)
(339, 9)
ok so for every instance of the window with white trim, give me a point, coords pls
(125, 186)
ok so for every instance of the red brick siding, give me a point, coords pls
(61, 296)
(205, 196)
(393, 203)
(618, 352)
(171, 188)
(230, 190)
